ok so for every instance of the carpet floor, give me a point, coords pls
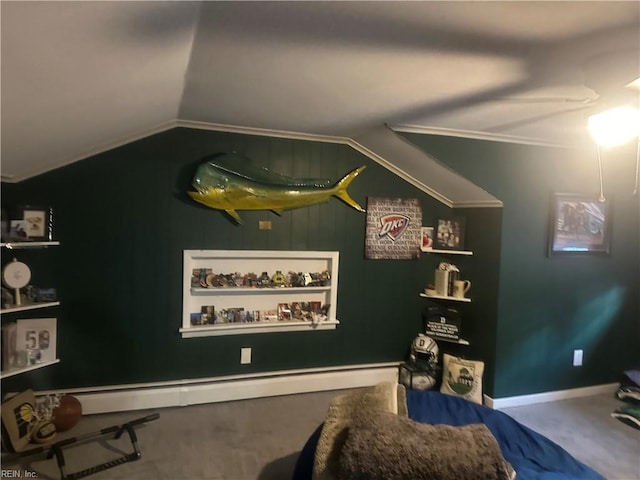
(260, 439)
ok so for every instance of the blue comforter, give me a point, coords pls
(533, 456)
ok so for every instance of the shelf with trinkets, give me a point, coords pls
(233, 292)
(39, 334)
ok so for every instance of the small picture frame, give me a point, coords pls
(426, 238)
(579, 225)
(36, 221)
(450, 234)
(208, 315)
(284, 312)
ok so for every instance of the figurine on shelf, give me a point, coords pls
(264, 280)
(278, 279)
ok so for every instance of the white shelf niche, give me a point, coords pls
(268, 298)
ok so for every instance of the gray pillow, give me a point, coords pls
(384, 446)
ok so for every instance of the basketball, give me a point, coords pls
(67, 414)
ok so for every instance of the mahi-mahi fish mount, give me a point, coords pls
(232, 182)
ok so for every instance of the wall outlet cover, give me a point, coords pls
(577, 358)
(245, 356)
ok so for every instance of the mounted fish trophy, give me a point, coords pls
(231, 182)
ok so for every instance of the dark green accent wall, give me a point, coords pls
(547, 307)
(123, 220)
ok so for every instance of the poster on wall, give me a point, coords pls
(393, 228)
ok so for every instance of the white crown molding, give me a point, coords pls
(269, 133)
(105, 147)
(493, 137)
(263, 132)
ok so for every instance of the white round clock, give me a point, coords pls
(16, 275)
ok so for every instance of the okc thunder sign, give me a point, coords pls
(393, 225)
(393, 228)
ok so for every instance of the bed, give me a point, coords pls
(384, 432)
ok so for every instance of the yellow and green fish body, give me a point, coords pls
(224, 183)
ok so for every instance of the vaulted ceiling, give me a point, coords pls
(81, 77)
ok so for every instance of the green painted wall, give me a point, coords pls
(550, 306)
(123, 220)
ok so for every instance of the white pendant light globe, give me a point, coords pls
(615, 126)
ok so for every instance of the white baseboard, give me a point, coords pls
(221, 389)
(521, 400)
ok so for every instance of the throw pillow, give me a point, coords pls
(462, 378)
(383, 446)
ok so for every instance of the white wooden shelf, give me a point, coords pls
(18, 245)
(255, 291)
(258, 327)
(446, 297)
(29, 306)
(448, 252)
(460, 341)
(17, 371)
(263, 300)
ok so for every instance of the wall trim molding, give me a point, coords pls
(322, 138)
(521, 400)
(143, 396)
(181, 393)
(492, 137)
(163, 127)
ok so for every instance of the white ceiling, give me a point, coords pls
(81, 77)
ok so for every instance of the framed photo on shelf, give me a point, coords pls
(37, 334)
(579, 224)
(426, 238)
(450, 234)
(36, 221)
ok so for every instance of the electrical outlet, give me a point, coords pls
(577, 358)
(245, 356)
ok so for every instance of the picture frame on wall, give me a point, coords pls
(450, 234)
(580, 224)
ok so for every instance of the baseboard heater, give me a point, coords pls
(143, 396)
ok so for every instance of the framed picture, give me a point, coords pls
(450, 234)
(579, 224)
(426, 238)
(37, 334)
(36, 222)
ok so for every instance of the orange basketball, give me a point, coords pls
(67, 414)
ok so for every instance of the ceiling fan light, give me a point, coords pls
(634, 84)
(615, 126)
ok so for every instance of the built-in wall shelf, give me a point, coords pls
(17, 371)
(446, 297)
(460, 341)
(29, 306)
(246, 328)
(237, 292)
(448, 252)
(19, 245)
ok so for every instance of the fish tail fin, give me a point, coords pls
(341, 188)
(235, 216)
